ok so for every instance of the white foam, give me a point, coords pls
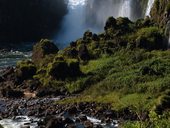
(74, 3)
(18, 122)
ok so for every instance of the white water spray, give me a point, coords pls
(77, 21)
(149, 7)
(91, 15)
(73, 24)
(125, 9)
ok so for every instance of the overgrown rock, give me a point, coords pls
(43, 48)
(25, 70)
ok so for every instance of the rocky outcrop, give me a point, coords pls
(43, 48)
(30, 20)
(160, 12)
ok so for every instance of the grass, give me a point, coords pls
(120, 80)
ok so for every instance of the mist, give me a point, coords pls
(91, 15)
(74, 23)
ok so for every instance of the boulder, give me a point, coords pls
(25, 70)
(61, 69)
(10, 93)
(151, 38)
(110, 23)
(55, 123)
(58, 70)
(83, 52)
(43, 48)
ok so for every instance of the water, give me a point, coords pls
(125, 9)
(149, 7)
(9, 58)
(92, 14)
(83, 15)
(23, 121)
(74, 23)
(20, 122)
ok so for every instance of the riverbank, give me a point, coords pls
(46, 112)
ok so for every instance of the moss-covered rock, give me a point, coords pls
(43, 48)
(83, 52)
(110, 23)
(151, 38)
(74, 67)
(61, 69)
(160, 12)
(25, 70)
(58, 70)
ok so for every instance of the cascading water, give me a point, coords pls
(125, 9)
(92, 15)
(149, 7)
(73, 23)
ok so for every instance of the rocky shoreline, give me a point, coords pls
(52, 114)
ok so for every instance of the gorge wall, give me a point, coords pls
(29, 20)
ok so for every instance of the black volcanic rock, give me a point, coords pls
(30, 20)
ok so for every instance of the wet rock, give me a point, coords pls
(25, 126)
(1, 79)
(83, 118)
(72, 111)
(68, 121)
(71, 126)
(55, 123)
(10, 93)
(7, 72)
(88, 124)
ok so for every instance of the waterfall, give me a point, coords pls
(97, 11)
(92, 14)
(149, 7)
(125, 9)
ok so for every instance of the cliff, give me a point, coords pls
(30, 20)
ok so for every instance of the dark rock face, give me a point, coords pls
(30, 20)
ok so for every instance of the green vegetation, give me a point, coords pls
(127, 67)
